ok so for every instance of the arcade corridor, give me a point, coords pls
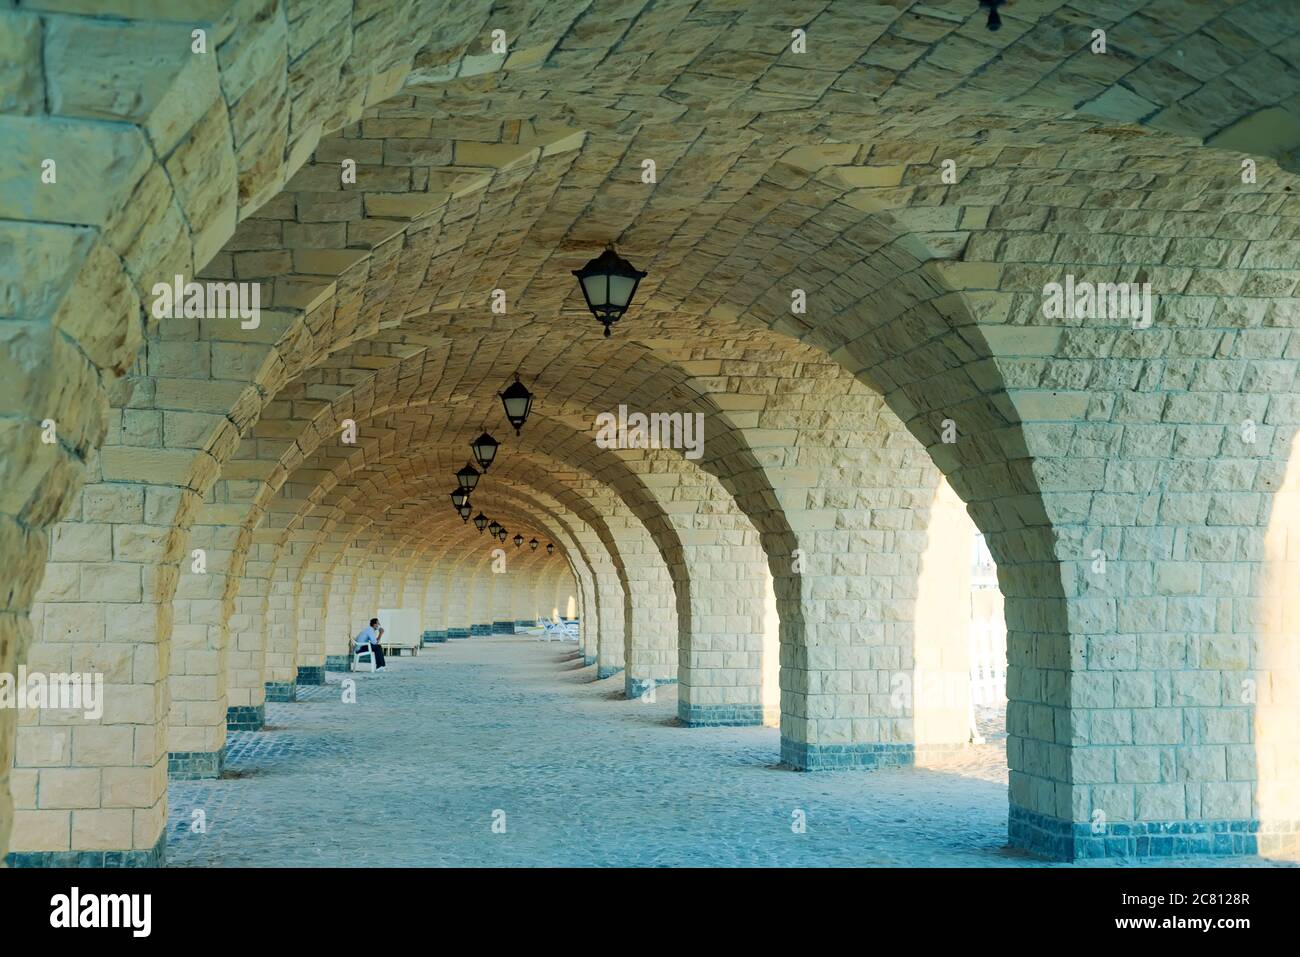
(723, 330)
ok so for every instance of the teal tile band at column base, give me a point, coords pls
(480, 630)
(588, 660)
(525, 623)
(636, 687)
(864, 756)
(245, 717)
(433, 637)
(457, 632)
(1061, 840)
(719, 715)
(155, 856)
(607, 671)
(311, 674)
(503, 627)
(337, 662)
(281, 691)
(826, 757)
(195, 765)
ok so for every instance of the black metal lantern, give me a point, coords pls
(502, 533)
(518, 402)
(532, 543)
(480, 522)
(464, 511)
(467, 478)
(459, 497)
(494, 528)
(485, 450)
(550, 549)
(518, 539)
(608, 284)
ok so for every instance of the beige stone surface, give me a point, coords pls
(775, 172)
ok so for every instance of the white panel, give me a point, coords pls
(401, 627)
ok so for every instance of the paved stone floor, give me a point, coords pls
(414, 772)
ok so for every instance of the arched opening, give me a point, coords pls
(988, 646)
(771, 679)
(1269, 678)
(957, 683)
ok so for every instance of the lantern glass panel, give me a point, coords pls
(620, 290)
(596, 288)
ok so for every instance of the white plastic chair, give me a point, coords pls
(363, 656)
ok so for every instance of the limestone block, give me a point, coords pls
(68, 788)
(115, 582)
(96, 165)
(102, 746)
(127, 787)
(41, 830)
(204, 173)
(22, 88)
(40, 747)
(105, 829)
(139, 72)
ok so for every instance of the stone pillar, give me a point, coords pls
(480, 572)
(312, 601)
(458, 598)
(720, 665)
(339, 629)
(282, 644)
(196, 725)
(650, 617)
(611, 640)
(246, 659)
(92, 788)
(503, 589)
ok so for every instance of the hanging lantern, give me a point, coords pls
(518, 402)
(459, 497)
(480, 522)
(464, 511)
(608, 284)
(502, 533)
(518, 539)
(485, 450)
(550, 549)
(494, 528)
(532, 543)
(467, 478)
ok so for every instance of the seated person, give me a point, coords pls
(369, 637)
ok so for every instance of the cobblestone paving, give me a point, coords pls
(412, 773)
